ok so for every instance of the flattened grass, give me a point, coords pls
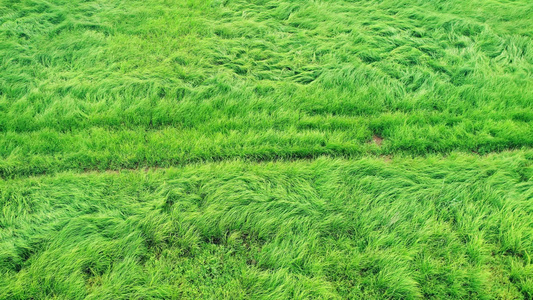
(454, 227)
(299, 149)
(320, 75)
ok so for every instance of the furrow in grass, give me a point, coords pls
(49, 151)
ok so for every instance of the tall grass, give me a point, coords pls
(270, 149)
(454, 227)
(429, 76)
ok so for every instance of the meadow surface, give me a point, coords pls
(267, 149)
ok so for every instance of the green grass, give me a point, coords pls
(454, 227)
(295, 149)
(273, 79)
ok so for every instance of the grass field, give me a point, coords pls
(268, 149)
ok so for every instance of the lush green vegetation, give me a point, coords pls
(90, 84)
(455, 227)
(296, 149)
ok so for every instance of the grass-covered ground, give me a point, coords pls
(454, 227)
(266, 149)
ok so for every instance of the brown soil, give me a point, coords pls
(377, 139)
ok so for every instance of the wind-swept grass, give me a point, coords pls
(454, 227)
(267, 149)
(427, 76)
